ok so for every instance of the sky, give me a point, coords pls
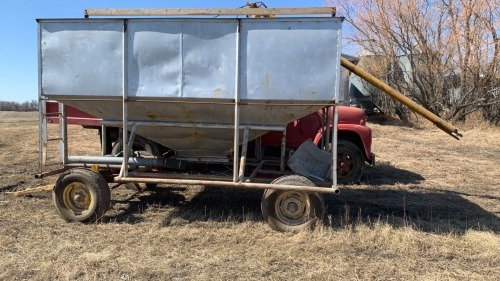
(18, 33)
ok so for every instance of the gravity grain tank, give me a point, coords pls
(191, 81)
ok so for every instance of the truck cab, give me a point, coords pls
(354, 139)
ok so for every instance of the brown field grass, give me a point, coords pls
(429, 210)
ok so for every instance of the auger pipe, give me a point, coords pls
(396, 95)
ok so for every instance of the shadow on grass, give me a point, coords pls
(128, 208)
(431, 211)
(386, 174)
(11, 187)
(222, 205)
(426, 210)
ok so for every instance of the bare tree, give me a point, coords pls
(16, 106)
(442, 53)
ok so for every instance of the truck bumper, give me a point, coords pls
(372, 160)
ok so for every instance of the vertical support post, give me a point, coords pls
(42, 145)
(328, 119)
(338, 78)
(323, 126)
(63, 133)
(258, 148)
(243, 160)
(283, 150)
(237, 105)
(104, 140)
(132, 137)
(42, 111)
(181, 55)
(124, 168)
(334, 143)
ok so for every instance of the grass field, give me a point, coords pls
(429, 210)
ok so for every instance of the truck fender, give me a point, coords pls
(357, 134)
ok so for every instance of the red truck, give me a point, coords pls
(354, 137)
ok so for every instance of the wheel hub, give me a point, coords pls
(292, 205)
(77, 196)
(344, 165)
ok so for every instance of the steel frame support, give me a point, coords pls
(283, 151)
(243, 159)
(246, 185)
(236, 105)
(124, 168)
(104, 140)
(63, 133)
(43, 136)
(211, 12)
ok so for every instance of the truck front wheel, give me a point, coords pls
(350, 162)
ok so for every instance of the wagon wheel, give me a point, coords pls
(290, 210)
(81, 195)
(350, 162)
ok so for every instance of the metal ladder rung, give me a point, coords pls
(44, 137)
(52, 114)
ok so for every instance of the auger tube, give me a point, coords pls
(396, 95)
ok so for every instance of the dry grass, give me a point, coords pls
(429, 211)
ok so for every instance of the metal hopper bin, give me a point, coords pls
(205, 87)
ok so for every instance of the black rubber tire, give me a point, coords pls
(151, 186)
(140, 144)
(274, 201)
(350, 162)
(93, 194)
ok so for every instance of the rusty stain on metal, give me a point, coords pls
(218, 92)
(196, 136)
(266, 80)
(189, 113)
(147, 112)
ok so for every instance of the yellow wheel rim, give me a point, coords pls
(77, 197)
(292, 207)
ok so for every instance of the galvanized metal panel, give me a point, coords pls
(290, 59)
(181, 58)
(81, 58)
(188, 111)
(194, 142)
(281, 59)
(154, 59)
(209, 51)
